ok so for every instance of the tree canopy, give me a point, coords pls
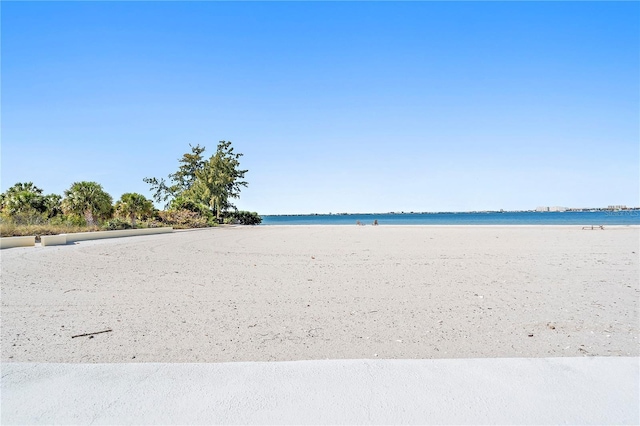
(212, 183)
(133, 205)
(87, 199)
(26, 199)
(180, 181)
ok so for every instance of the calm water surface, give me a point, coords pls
(507, 218)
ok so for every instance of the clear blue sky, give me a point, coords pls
(337, 107)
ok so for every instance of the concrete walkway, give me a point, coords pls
(595, 390)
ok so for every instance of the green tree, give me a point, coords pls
(180, 181)
(182, 203)
(219, 180)
(87, 199)
(22, 198)
(24, 202)
(21, 203)
(190, 163)
(23, 187)
(133, 205)
(52, 204)
(213, 182)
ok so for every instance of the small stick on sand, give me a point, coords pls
(90, 334)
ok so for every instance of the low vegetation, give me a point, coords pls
(198, 195)
(10, 229)
(240, 217)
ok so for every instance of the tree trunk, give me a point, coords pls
(88, 216)
(133, 220)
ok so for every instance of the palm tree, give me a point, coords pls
(87, 199)
(23, 202)
(132, 205)
(23, 187)
(52, 205)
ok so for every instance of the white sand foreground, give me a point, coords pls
(280, 293)
(585, 390)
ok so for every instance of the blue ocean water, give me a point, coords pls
(628, 217)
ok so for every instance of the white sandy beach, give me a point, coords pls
(280, 293)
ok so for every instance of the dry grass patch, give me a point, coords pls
(13, 230)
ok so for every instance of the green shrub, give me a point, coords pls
(182, 219)
(151, 223)
(68, 220)
(242, 217)
(11, 226)
(182, 203)
(116, 224)
(25, 218)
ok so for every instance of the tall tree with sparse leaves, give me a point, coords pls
(220, 180)
(180, 181)
(213, 182)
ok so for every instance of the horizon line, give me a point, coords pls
(566, 210)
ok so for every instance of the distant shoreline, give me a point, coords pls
(329, 225)
(632, 209)
(584, 218)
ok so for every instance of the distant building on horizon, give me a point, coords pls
(583, 209)
(551, 209)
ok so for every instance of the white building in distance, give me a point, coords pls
(552, 209)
